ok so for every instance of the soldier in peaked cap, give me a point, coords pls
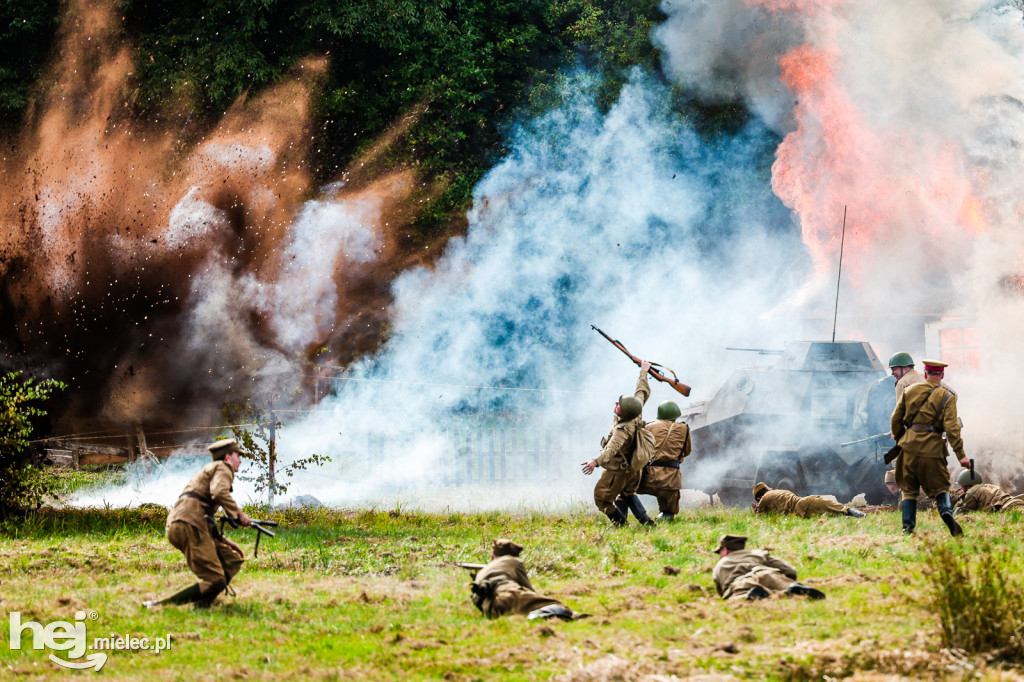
(213, 558)
(924, 412)
(754, 573)
(503, 587)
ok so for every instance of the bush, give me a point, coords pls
(23, 483)
(980, 609)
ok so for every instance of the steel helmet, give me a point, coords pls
(969, 478)
(901, 359)
(629, 407)
(668, 410)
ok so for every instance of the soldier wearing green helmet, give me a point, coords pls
(902, 367)
(617, 449)
(980, 496)
(672, 444)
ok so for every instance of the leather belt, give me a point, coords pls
(924, 427)
(197, 496)
(670, 465)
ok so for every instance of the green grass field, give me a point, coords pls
(374, 595)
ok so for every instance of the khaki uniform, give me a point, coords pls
(214, 563)
(987, 497)
(785, 502)
(737, 572)
(503, 587)
(616, 455)
(662, 477)
(922, 462)
(907, 380)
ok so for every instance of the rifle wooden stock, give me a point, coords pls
(673, 382)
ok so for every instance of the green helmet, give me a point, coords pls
(629, 408)
(969, 478)
(901, 359)
(668, 410)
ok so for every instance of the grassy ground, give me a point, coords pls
(374, 596)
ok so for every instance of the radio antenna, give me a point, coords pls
(842, 244)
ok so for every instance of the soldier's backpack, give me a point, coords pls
(644, 450)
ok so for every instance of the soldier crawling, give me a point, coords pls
(502, 587)
(212, 558)
(754, 573)
(769, 500)
(976, 495)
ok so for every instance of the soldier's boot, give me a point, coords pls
(665, 516)
(618, 518)
(639, 512)
(757, 592)
(801, 590)
(909, 516)
(854, 512)
(186, 596)
(945, 507)
(623, 507)
(551, 611)
(208, 595)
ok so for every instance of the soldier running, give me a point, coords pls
(211, 557)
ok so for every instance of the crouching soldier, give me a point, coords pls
(502, 587)
(754, 573)
(213, 558)
(770, 500)
(672, 444)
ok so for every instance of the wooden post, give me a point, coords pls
(140, 438)
(272, 458)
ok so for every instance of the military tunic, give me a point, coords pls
(214, 563)
(671, 446)
(502, 587)
(738, 572)
(922, 462)
(987, 497)
(616, 454)
(785, 502)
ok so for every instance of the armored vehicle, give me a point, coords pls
(813, 423)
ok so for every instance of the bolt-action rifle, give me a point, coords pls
(656, 373)
(876, 436)
(261, 528)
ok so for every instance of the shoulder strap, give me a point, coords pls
(657, 446)
(910, 421)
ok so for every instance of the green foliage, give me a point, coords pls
(26, 30)
(257, 436)
(979, 605)
(23, 483)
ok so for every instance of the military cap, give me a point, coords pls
(934, 365)
(890, 477)
(758, 488)
(225, 447)
(732, 543)
(503, 547)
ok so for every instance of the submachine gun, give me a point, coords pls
(261, 527)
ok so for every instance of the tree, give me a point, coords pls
(23, 483)
(255, 429)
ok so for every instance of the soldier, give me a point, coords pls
(615, 457)
(768, 500)
(894, 488)
(923, 412)
(502, 587)
(211, 557)
(754, 573)
(661, 477)
(981, 496)
(902, 366)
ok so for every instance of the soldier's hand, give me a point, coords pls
(243, 518)
(234, 547)
(644, 366)
(965, 462)
(588, 467)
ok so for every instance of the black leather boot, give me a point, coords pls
(623, 507)
(945, 507)
(618, 518)
(639, 512)
(909, 516)
(207, 597)
(185, 596)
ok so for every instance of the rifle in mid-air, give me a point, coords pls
(673, 382)
(261, 528)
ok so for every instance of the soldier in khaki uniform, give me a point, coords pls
(672, 444)
(894, 488)
(981, 496)
(923, 413)
(617, 451)
(769, 500)
(754, 573)
(902, 366)
(214, 561)
(502, 587)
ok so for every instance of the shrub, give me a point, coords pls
(23, 483)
